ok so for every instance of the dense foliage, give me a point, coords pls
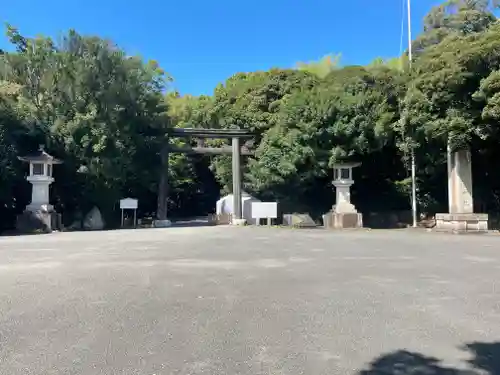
(106, 114)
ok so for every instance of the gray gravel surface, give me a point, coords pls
(222, 300)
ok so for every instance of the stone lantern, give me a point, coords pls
(343, 213)
(41, 166)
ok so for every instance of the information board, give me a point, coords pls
(264, 210)
(128, 204)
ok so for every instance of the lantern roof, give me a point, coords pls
(40, 156)
(347, 165)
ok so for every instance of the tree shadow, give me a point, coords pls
(485, 361)
(403, 362)
(486, 356)
(193, 222)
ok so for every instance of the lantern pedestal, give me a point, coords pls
(40, 194)
(343, 215)
(340, 220)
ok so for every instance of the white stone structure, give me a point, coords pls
(343, 214)
(224, 206)
(41, 166)
(461, 216)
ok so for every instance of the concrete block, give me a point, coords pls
(462, 222)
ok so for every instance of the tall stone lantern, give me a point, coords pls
(343, 213)
(41, 166)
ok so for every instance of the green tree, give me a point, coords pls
(455, 17)
(253, 101)
(99, 110)
(343, 118)
(323, 67)
(193, 189)
(12, 195)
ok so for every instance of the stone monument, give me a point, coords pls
(461, 216)
(39, 214)
(343, 213)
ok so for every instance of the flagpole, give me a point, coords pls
(409, 31)
(413, 164)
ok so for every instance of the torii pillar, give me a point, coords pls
(237, 218)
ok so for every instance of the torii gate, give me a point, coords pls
(235, 150)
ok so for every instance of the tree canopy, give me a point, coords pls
(106, 115)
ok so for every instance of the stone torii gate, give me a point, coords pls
(236, 150)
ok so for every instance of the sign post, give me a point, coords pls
(129, 204)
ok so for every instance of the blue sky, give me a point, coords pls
(201, 43)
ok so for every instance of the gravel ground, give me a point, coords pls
(223, 300)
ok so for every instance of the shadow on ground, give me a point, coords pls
(485, 360)
(196, 222)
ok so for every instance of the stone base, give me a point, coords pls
(162, 223)
(462, 223)
(239, 222)
(341, 220)
(37, 221)
(219, 219)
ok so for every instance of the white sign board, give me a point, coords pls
(128, 204)
(264, 210)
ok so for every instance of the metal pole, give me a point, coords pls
(409, 32)
(413, 163)
(236, 179)
(413, 188)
